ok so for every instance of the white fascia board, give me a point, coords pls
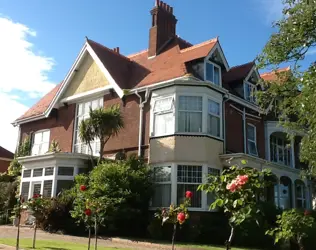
(218, 46)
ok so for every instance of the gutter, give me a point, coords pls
(141, 114)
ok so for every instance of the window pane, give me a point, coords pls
(164, 104)
(190, 122)
(163, 124)
(80, 109)
(47, 189)
(213, 127)
(66, 171)
(46, 136)
(49, 171)
(190, 174)
(37, 188)
(27, 173)
(190, 103)
(251, 131)
(95, 104)
(25, 190)
(213, 107)
(44, 148)
(162, 174)
(252, 148)
(37, 172)
(63, 185)
(209, 72)
(197, 195)
(162, 195)
(37, 138)
(35, 149)
(82, 170)
(216, 75)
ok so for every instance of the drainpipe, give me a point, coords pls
(141, 114)
(224, 123)
(244, 128)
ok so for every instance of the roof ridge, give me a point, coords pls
(200, 44)
(137, 53)
(112, 51)
(240, 65)
(278, 70)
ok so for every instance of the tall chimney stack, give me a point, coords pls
(163, 27)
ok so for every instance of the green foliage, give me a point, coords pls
(292, 225)
(54, 147)
(24, 149)
(118, 193)
(292, 94)
(102, 124)
(7, 195)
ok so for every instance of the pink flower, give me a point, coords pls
(242, 179)
(181, 217)
(233, 186)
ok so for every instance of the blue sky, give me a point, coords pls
(49, 35)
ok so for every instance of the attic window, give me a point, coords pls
(212, 73)
(250, 92)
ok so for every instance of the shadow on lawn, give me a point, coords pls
(56, 248)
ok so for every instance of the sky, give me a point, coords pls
(40, 40)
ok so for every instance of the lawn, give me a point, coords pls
(51, 245)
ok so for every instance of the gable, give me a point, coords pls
(87, 77)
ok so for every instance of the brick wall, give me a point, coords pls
(234, 131)
(4, 166)
(61, 127)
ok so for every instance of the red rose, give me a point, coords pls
(188, 194)
(83, 188)
(35, 196)
(307, 212)
(88, 212)
(181, 217)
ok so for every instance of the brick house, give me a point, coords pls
(185, 111)
(5, 158)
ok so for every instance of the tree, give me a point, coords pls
(175, 215)
(237, 191)
(24, 149)
(293, 93)
(292, 225)
(102, 125)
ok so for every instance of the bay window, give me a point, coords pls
(163, 116)
(212, 73)
(40, 142)
(250, 92)
(162, 194)
(214, 118)
(190, 114)
(83, 110)
(252, 140)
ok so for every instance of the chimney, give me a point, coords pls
(117, 50)
(163, 27)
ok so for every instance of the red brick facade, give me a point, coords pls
(4, 164)
(234, 131)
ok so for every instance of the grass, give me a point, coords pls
(51, 245)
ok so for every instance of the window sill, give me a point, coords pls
(189, 134)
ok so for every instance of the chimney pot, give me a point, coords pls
(168, 8)
(164, 6)
(157, 2)
(171, 10)
(161, 3)
(117, 50)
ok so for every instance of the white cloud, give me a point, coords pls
(9, 110)
(271, 9)
(23, 76)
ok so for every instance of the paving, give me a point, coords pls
(10, 232)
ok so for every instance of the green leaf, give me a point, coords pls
(244, 162)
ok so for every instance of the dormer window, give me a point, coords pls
(212, 73)
(250, 92)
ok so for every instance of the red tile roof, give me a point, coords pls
(138, 70)
(41, 106)
(4, 153)
(237, 72)
(272, 76)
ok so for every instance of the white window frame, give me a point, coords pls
(169, 111)
(303, 196)
(96, 142)
(220, 73)
(284, 149)
(41, 143)
(215, 115)
(191, 111)
(252, 97)
(254, 141)
(165, 182)
(174, 183)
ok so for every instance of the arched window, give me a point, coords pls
(285, 192)
(300, 194)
